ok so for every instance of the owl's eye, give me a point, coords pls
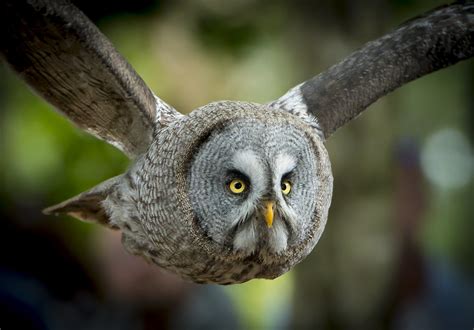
(285, 187)
(237, 186)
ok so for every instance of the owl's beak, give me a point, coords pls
(269, 213)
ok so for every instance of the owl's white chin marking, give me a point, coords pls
(247, 239)
(278, 238)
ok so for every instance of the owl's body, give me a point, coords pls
(174, 206)
(235, 190)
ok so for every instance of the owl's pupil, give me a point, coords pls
(238, 185)
(283, 186)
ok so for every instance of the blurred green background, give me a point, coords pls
(397, 249)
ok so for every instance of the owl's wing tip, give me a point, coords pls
(87, 206)
(50, 210)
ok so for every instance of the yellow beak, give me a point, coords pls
(269, 214)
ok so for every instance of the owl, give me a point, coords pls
(234, 190)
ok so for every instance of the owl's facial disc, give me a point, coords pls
(251, 187)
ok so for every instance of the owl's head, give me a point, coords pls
(252, 186)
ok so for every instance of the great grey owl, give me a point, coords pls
(235, 190)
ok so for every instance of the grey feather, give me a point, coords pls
(172, 208)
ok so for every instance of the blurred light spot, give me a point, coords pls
(447, 159)
(264, 304)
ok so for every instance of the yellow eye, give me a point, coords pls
(237, 186)
(285, 187)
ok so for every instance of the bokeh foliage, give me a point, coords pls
(192, 53)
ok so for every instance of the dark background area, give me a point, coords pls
(397, 250)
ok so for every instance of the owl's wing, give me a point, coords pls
(62, 55)
(437, 39)
(88, 205)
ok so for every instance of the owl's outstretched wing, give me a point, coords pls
(435, 40)
(62, 55)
